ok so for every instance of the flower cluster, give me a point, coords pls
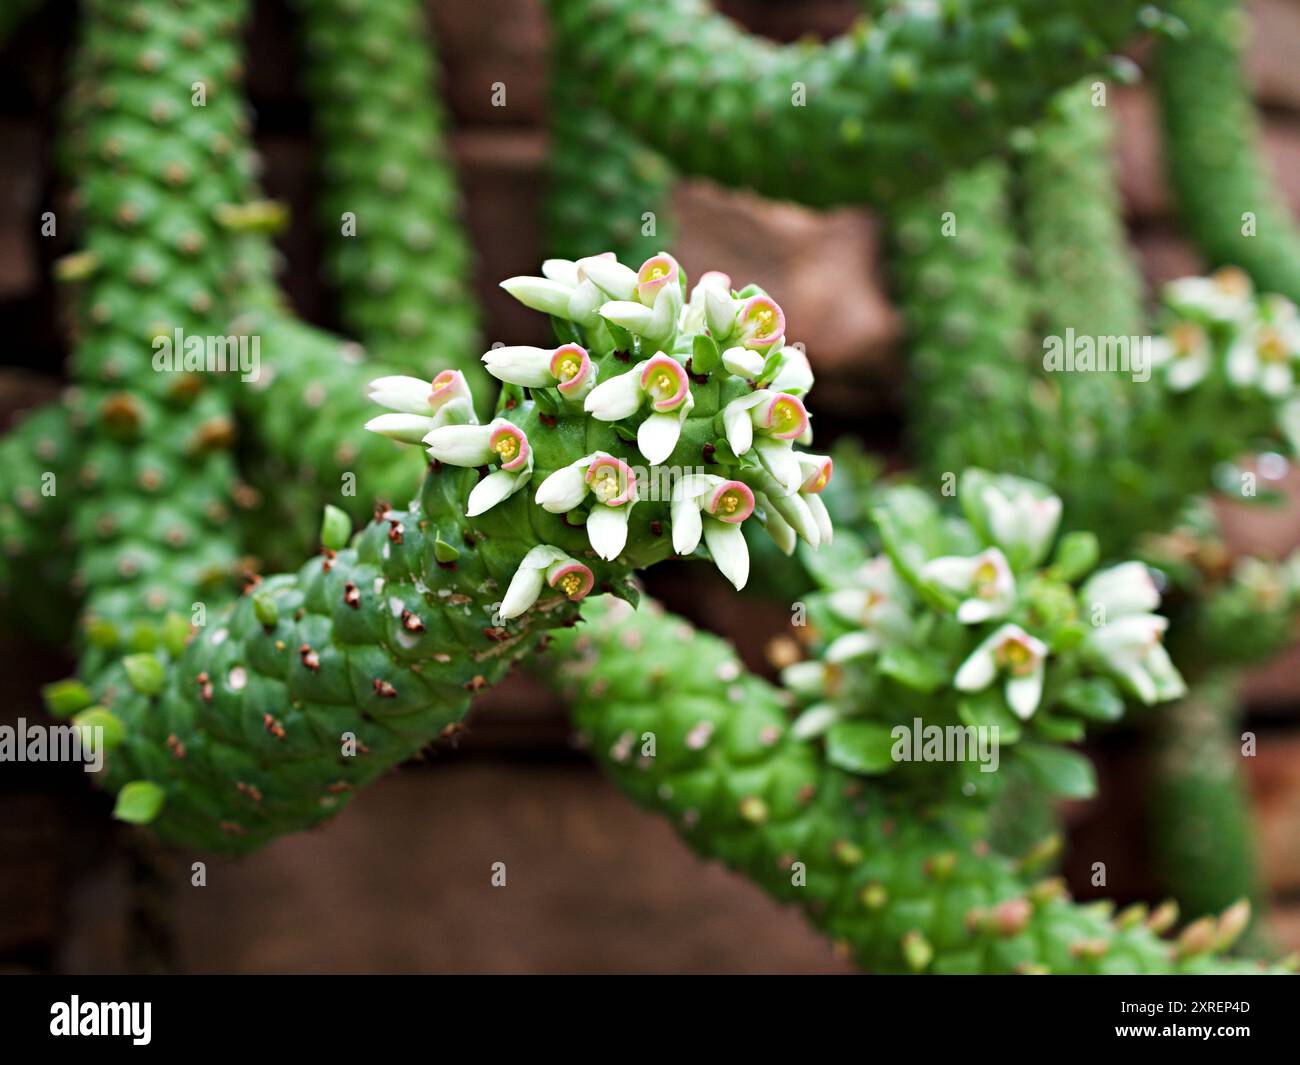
(966, 622)
(704, 387)
(1221, 332)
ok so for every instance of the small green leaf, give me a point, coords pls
(1059, 771)
(771, 367)
(444, 552)
(545, 401)
(101, 634)
(988, 709)
(139, 802)
(265, 609)
(335, 528)
(145, 673)
(97, 717)
(1058, 729)
(65, 697)
(913, 669)
(705, 356)
(1076, 554)
(860, 747)
(1095, 698)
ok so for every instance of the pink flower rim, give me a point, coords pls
(624, 476)
(573, 590)
(657, 369)
(511, 445)
(561, 357)
(732, 502)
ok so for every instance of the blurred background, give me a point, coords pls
(400, 881)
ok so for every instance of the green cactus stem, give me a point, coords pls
(905, 882)
(157, 115)
(894, 104)
(390, 205)
(1228, 201)
(954, 260)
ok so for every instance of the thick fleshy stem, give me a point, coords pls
(894, 104)
(1228, 201)
(967, 311)
(904, 881)
(1086, 284)
(390, 205)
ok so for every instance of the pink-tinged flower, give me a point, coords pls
(656, 272)
(762, 322)
(570, 365)
(511, 445)
(984, 582)
(710, 508)
(1014, 653)
(782, 416)
(664, 380)
(420, 406)
(817, 472)
(572, 578)
(611, 480)
(731, 501)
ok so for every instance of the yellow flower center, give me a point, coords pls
(1186, 338)
(822, 479)
(571, 584)
(1015, 657)
(1269, 345)
(785, 416)
(605, 485)
(986, 580)
(656, 272)
(568, 368)
(765, 318)
(507, 447)
(1232, 282)
(728, 502)
(662, 385)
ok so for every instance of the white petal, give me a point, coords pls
(794, 509)
(973, 611)
(617, 280)
(657, 436)
(607, 530)
(743, 362)
(460, 445)
(777, 457)
(687, 525)
(490, 491)
(720, 313)
(1188, 371)
(525, 586)
(851, 645)
(780, 530)
(738, 427)
(616, 398)
(1023, 693)
(950, 571)
(564, 489)
(565, 271)
(795, 374)
(814, 721)
(729, 550)
(540, 294)
(822, 516)
(633, 317)
(408, 428)
(520, 365)
(407, 394)
(667, 309)
(978, 671)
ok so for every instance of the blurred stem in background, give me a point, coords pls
(1214, 148)
(390, 201)
(1201, 830)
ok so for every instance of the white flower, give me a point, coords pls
(713, 288)
(767, 423)
(657, 324)
(984, 582)
(1130, 647)
(544, 565)
(565, 291)
(613, 484)
(1013, 652)
(877, 601)
(761, 322)
(567, 367)
(1021, 521)
(499, 443)
(793, 508)
(1224, 296)
(1264, 353)
(1119, 590)
(715, 508)
(1185, 352)
(420, 405)
(662, 382)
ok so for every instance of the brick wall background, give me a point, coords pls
(400, 881)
